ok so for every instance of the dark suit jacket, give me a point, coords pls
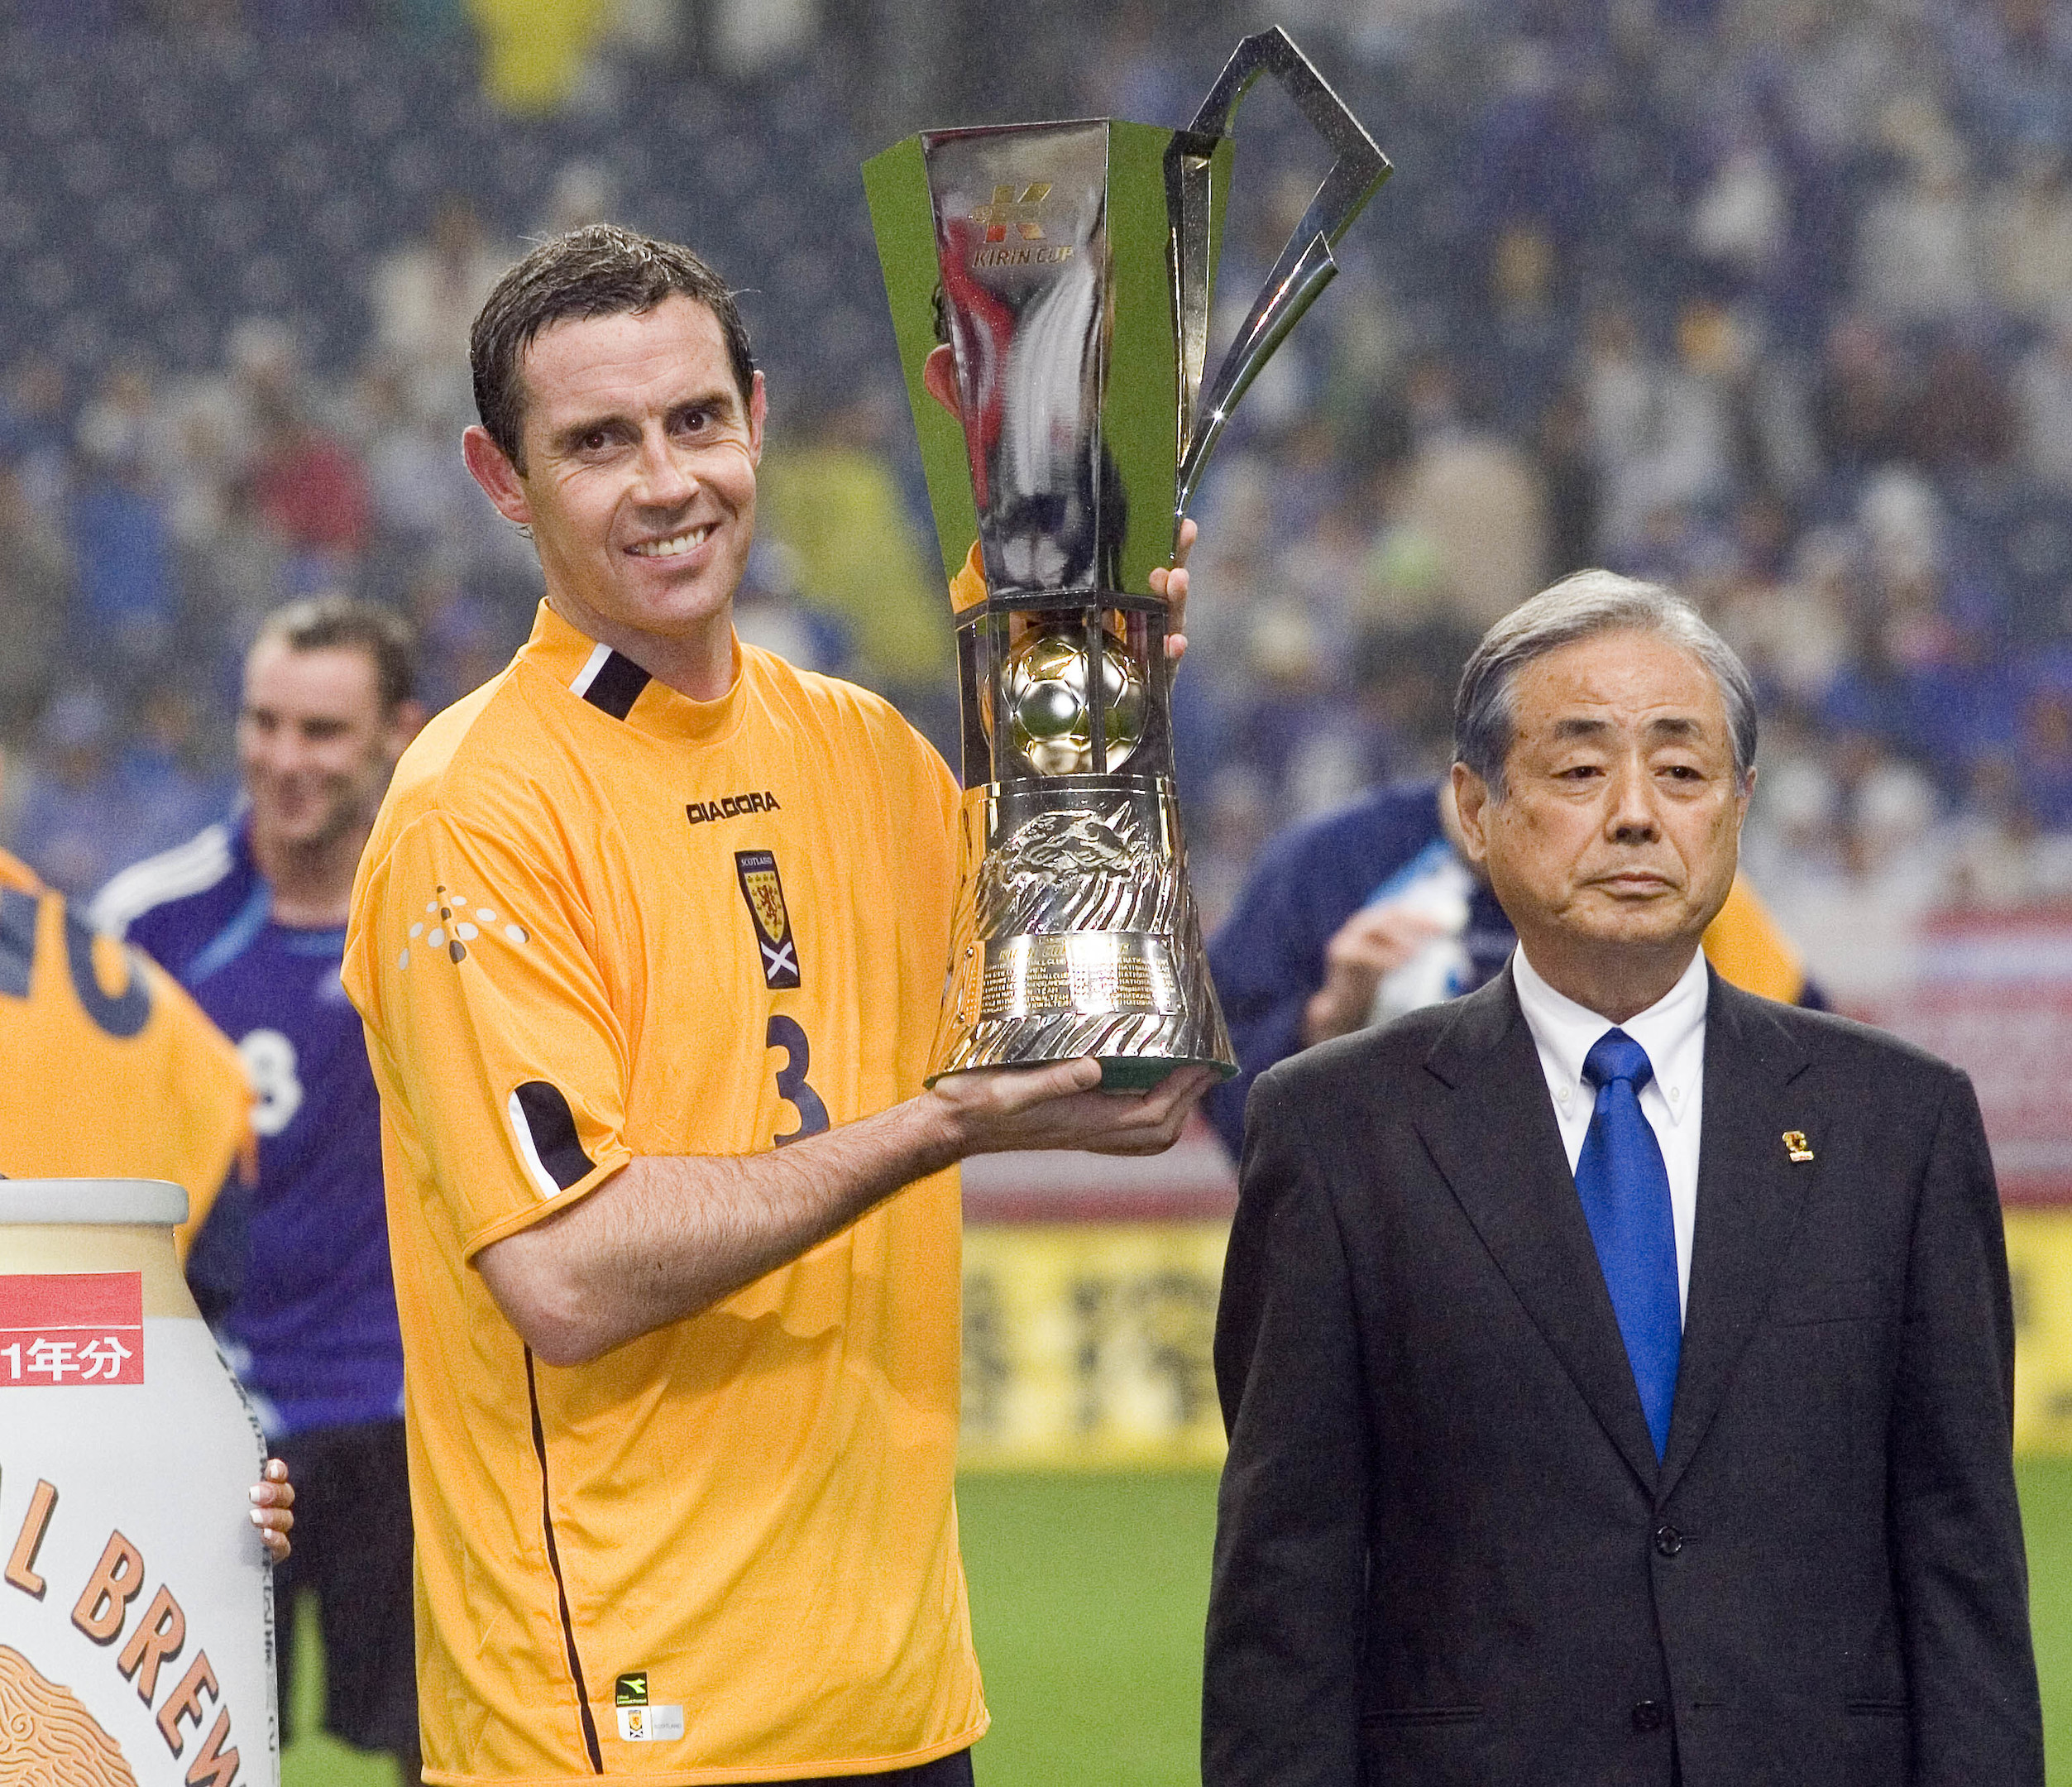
(1445, 1551)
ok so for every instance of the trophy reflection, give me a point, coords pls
(1050, 284)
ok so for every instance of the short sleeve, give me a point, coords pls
(499, 1057)
(114, 1071)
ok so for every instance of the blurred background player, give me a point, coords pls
(1366, 914)
(250, 916)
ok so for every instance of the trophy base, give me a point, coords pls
(1119, 1073)
(1141, 1073)
(1076, 935)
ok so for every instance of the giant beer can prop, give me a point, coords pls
(137, 1636)
(1067, 268)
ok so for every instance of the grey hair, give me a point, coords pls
(1579, 607)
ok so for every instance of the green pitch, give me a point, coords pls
(2046, 1517)
(1088, 1594)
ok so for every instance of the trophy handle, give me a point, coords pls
(1305, 266)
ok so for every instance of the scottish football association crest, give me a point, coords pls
(764, 893)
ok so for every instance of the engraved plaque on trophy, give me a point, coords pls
(1060, 276)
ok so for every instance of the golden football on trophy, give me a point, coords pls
(1045, 684)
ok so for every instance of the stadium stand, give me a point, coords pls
(1775, 301)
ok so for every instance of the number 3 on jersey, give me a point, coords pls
(785, 1033)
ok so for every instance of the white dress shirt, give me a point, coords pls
(1672, 1031)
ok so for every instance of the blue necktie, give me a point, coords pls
(1625, 1189)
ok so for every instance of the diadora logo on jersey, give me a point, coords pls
(639, 1720)
(452, 920)
(764, 893)
(730, 807)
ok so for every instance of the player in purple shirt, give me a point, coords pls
(250, 917)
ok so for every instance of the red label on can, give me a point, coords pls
(70, 1329)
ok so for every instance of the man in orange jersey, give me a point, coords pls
(650, 942)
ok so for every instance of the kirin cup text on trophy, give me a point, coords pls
(1063, 271)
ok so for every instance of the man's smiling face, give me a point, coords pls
(638, 483)
(313, 743)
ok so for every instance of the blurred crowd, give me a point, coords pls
(1772, 300)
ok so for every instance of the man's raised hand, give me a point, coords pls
(1172, 585)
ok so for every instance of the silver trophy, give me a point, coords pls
(1067, 268)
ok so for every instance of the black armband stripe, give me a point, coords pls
(546, 1135)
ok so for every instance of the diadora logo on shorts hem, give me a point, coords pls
(730, 807)
(452, 922)
(640, 1722)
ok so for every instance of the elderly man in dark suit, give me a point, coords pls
(1618, 1367)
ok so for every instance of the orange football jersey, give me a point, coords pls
(598, 920)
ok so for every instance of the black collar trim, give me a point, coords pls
(615, 685)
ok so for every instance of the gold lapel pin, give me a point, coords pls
(1795, 1147)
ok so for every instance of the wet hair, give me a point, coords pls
(599, 270)
(329, 623)
(1579, 607)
